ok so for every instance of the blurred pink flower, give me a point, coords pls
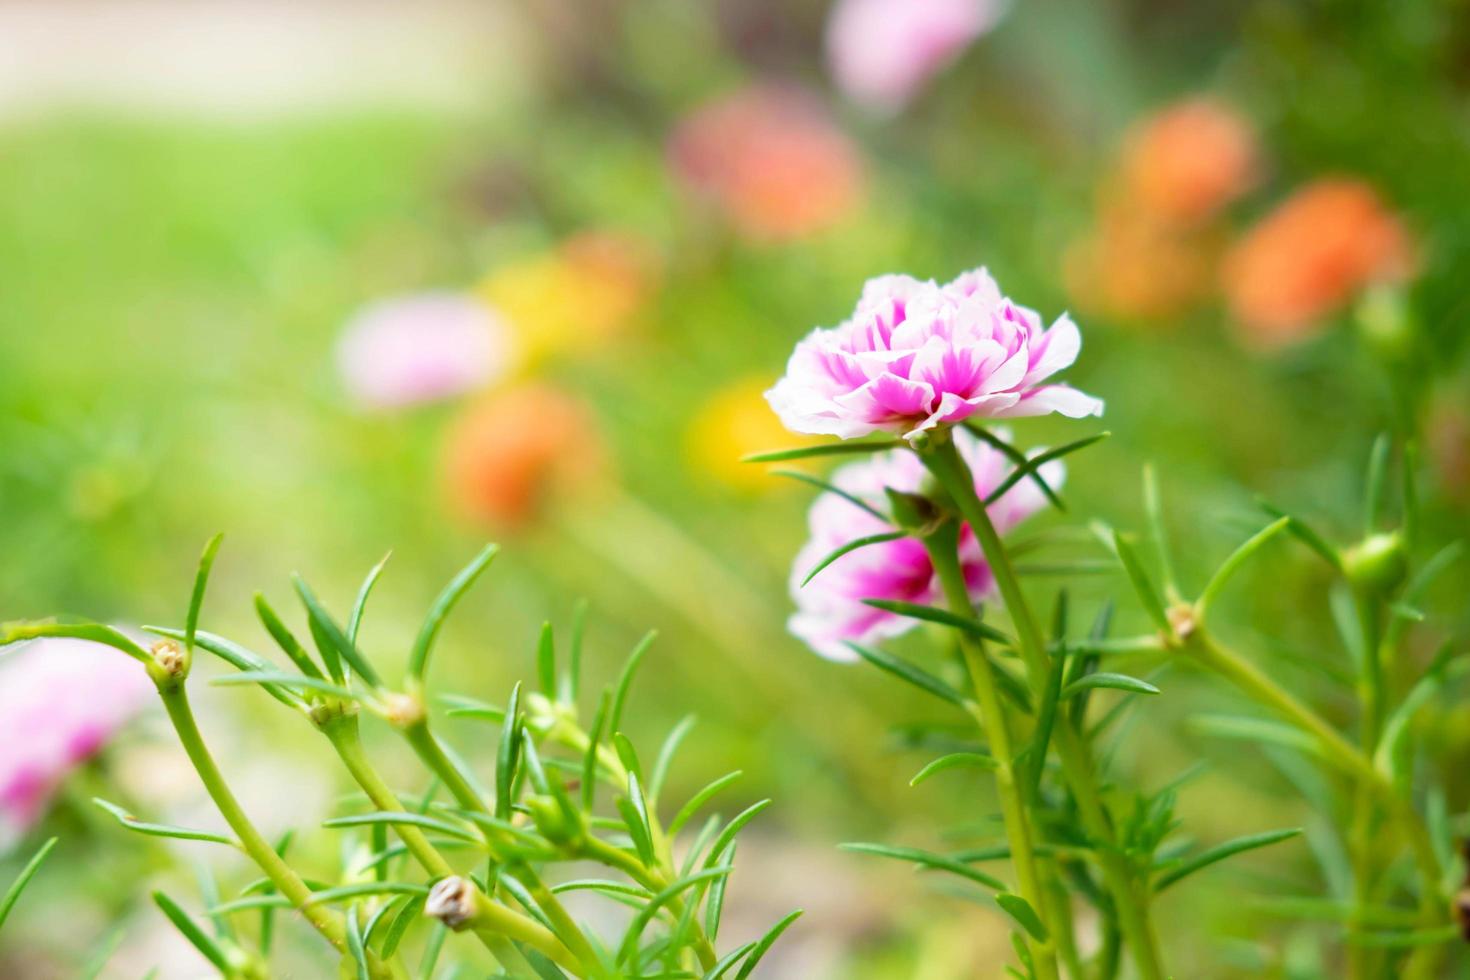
(60, 701)
(420, 348)
(771, 159)
(916, 355)
(829, 610)
(882, 52)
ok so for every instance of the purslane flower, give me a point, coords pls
(412, 349)
(60, 702)
(916, 355)
(882, 52)
(830, 609)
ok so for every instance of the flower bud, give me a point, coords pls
(914, 512)
(1386, 323)
(451, 901)
(1377, 564)
(556, 823)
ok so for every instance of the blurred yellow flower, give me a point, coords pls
(736, 422)
(583, 292)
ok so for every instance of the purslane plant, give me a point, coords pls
(475, 862)
(915, 534)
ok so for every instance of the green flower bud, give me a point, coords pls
(1378, 564)
(556, 823)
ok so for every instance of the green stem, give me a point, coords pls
(417, 732)
(941, 546)
(1361, 958)
(943, 460)
(654, 879)
(493, 922)
(1342, 753)
(287, 882)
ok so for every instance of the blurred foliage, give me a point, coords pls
(171, 293)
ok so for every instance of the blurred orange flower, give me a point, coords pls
(1186, 162)
(1137, 269)
(508, 454)
(586, 290)
(772, 160)
(736, 422)
(1310, 256)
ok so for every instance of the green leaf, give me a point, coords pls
(943, 617)
(159, 829)
(611, 888)
(1220, 852)
(1405, 940)
(574, 670)
(1046, 712)
(284, 680)
(850, 547)
(322, 621)
(355, 945)
(546, 661)
(1231, 565)
(589, 758)
(1034, 464)
(1396, 729)
(1019, 460)
(410, 911)
(645, 915)
(1019, 909)
(1116, 682)
(12, 894)
(927, 859)
(906, 671)
(392, 905)
(14, 632)
(732, 829)
(201, 580)
(1377, 478)
(1304, 533)
(625, 680)
(765, 943)
(848, 448)
(418, 661)
(1153, 604)
(638, 825)
(688, 810)
(955, 759)
(627, 754)
(196, 936)
(284, 638)
(714, 908)
(400, 818)
(359, 605)
(1250, 729)
(364, 888)
(1153, 508)
(666, 756)
(726, 962)
(507, 754)
(834, 489)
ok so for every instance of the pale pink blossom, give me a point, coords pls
(882, 52)
(421, 348)
(915, 355)
(830, 612)
(61, 700)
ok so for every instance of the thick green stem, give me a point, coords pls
(286, 880)
(941, 546)
(492, 922)
(1362, 958)
(943, 460)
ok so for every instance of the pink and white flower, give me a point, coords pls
(61, 700)
(830, 610)
(882, 52)
(421, 348)
(916, 355)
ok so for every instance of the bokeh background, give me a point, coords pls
(338, 278)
